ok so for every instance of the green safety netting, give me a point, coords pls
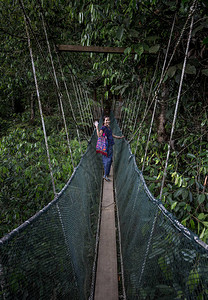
(51, 256)
(161, 258)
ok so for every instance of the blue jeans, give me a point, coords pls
(107, 160)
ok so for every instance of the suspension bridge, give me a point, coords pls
(100, 240)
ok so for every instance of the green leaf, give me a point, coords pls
(178, 192)
(202, 234)
(201, 198)
(145, 46)
(192, 224)
(188, 207)
(205, 72)
(171, 71)
(183, 222)
(202, 125)
(174, 205)
(103, 72)
(134, 33)
(127, 50)
(120, 33)
(125, 58)
(201, 216)
(190, 69)
(185, 194)
(191, 155)
(205, 224)
(139, 49)
(154, 49)
(205, 41)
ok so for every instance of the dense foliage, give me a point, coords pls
(183, 193)
(140, 26)
(25, 180)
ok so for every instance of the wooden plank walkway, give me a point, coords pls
(106, 287)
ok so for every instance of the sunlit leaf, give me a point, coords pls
(174, 205)
(201, 216)
(201, 198)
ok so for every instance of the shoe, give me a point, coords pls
(106, 178)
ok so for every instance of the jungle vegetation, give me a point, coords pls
(143, 28)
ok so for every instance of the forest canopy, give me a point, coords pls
(131, 80)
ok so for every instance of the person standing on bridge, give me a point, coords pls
(107, 160)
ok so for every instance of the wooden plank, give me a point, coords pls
(95, 49)
(106, 287)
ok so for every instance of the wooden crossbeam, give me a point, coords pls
(95, 49)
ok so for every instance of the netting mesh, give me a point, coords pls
(161, 258)
(51, 256)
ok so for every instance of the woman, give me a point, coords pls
(107, 160)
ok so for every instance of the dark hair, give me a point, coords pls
(105, 118)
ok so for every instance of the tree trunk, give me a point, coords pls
(162, 135)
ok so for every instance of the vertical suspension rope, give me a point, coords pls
(156, 215)
(140, 126)
(87, 108)
(123, 111)
(143, 88)
(134, 111)
(142, 95)
(80, 103)
(79, 94)
(85, 104)
(90, 109)
(176, 107)
(77, 99)
(58, 88)
(130, 114)
(69, 146)
(127, 115)
(137, 112)
(156, 99)
(40, 106)
(168, 47)
(137, 141)
(91, 121)
(38, 44)
(70, 103)
(124, 115)
(192, 8)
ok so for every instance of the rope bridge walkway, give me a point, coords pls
(53, 255)
(106, 286)
(68, 249)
